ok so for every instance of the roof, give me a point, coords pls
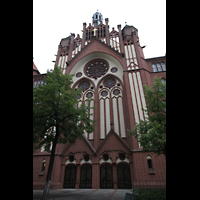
(127, 26)
(35, 68)
(160, 57)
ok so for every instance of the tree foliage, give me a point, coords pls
(55, 105)
(56, 116)
(151, 133)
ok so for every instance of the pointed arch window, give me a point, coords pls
(111, 106)
(149, 162)
(43, 164)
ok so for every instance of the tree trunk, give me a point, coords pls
(48, 178)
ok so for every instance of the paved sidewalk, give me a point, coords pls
(84, 194)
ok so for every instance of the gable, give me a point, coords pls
(81, 145)
(94, 46)
(113, 62)
(112, 142)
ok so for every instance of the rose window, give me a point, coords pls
(96, 68)
(84, 85)
(109, 82)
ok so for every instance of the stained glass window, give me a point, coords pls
(96, 68)
(104, 93)
(89, 95)
(85, 85)
(109, 82)
(116, 92)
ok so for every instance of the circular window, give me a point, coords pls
(78, 96)
(86, 158)
(79, 74)
(104, 93)
(71, 158)
(105, 157)
(96, 68)
(84, 85)
(89, 95)
(116, 92)
(109, 82)
(114, 69)
(122, 156)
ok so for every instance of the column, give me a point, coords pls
(83, 36)
(115, 183)
(77, 176)
(71, 47)
(120, 39)
(107, 33)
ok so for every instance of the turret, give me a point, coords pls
(97, 17)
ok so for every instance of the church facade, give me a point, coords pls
(111, 69)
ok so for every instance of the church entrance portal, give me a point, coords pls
(124, 176)
(106, 176)
(86, 176)
(70, 176)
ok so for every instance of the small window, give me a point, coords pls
(71, 158)
(122, 156)
(163, 66)
(105, 157)
(163, 80)
(159, 67)
(43, 164)
(154, 67)
(149, 162)
(35, 83)
(86, 157)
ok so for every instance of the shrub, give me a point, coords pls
(151, 194)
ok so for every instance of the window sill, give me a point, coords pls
(151, 172)
(41, 174)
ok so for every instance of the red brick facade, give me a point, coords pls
(116, 87)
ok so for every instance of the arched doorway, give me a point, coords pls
(106, 176)
(124, 176)
(70, 176)
(86, 176)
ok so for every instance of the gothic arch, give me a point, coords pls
(111, 105)
(80, 61)
(88, 91)
(109, 75)
(82, 79)
(95, 46)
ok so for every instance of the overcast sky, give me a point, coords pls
(56, 19)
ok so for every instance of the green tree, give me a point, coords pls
(56, 117)
(151, 133)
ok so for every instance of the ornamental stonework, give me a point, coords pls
(84, 85)
(109, 82)
(96, 68)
